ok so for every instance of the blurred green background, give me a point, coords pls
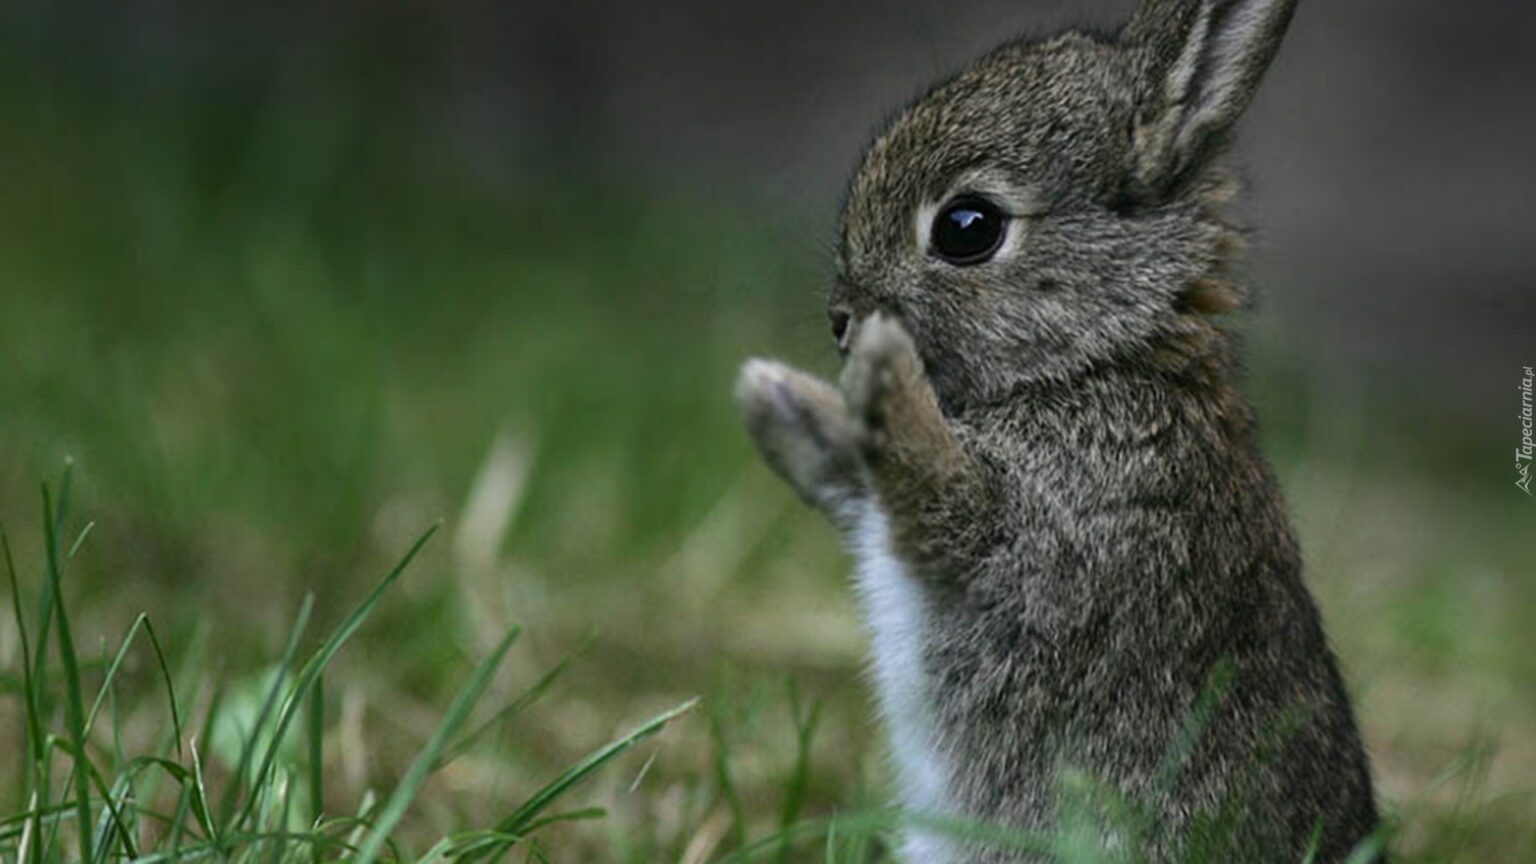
(282, 324)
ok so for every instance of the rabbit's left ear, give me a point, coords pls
(1199, 63)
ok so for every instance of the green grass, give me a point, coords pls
(280, 340)
(157, 805)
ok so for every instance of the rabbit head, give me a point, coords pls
(1057, 206)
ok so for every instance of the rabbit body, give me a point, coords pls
(1079, 577)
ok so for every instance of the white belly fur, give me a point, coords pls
(897, 613)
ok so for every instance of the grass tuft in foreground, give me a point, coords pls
(89, 801)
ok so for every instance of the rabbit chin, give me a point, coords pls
(896, 613)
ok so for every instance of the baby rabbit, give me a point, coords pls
(1071, 554)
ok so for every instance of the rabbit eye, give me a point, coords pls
(968, 230)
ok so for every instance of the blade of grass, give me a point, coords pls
(478, 842)
(583, 815)
(240, 778)
(1314, 844)
(518, 704)
(280, 843)
(799, 778)
(30, 832)
(360, 823)
(316, 773)
(32, 731)
(165, 676)
(66, 810)
(416, 776)
(110, 818)
(75, 708)
(317, 663)
(725, 781)
(66, 489)
(200, 812)
(118, 755)
(191, 685)
(200, 808)
(15, 823)
(114, 819)
(139, 623)
(518, 821)
(79, 541)
(42, 773)
(53, 525)
(1218, 683)
(179, 820)
(254, 839)
(142, 622)
(1368, 852)
(867, 822)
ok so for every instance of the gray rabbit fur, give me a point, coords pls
(1067, 538)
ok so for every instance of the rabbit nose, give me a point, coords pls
(840, 320)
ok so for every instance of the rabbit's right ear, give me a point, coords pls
(1198, 64)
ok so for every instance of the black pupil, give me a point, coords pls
(968, 231)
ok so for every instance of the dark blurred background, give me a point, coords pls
(1389, 155)
(289, 282)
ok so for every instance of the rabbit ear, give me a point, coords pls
(1198, 65)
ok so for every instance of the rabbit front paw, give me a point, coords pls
(882, 365)
(801, 426)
